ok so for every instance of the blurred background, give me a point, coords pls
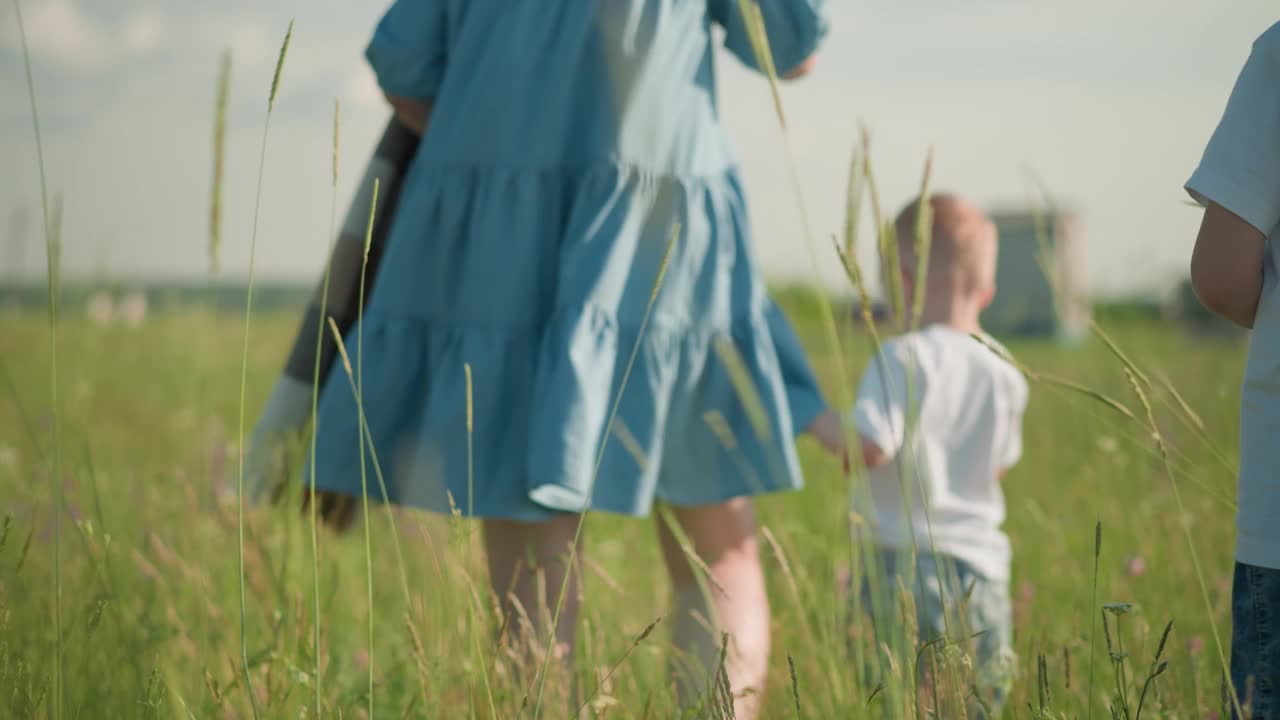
(1110, 104)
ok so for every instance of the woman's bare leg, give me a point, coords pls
(723, 537)
(527, 567)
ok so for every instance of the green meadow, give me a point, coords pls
(143, 559)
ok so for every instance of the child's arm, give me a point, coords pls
(1238, 183)
(829, 432)
(1226, 265)
(880, 412)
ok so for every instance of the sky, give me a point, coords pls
(1110, 104)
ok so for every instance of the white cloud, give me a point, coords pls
(57, 31)
(252, 46)
(60, 33)
(143, 32)
(126, 88)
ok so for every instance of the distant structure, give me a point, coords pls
(133, 308)
(1024, 306)
(101, 309)
(104, 309)
(1026, 303)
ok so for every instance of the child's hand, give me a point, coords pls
(829, 432)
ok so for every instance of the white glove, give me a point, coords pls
(286, 413)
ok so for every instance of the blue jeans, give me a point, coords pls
(1255, 640)
(949, 593)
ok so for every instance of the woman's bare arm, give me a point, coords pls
(1226, 265)
(802, 69)
(414, 114)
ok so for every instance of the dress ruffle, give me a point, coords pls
(546, 320)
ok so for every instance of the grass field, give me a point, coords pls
(148, 575)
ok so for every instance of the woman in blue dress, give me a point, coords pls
(572, 146)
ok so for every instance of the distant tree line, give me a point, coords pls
(161, 296)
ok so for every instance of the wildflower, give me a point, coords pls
(1195, 645)
(1137, 566)
(1118, 608)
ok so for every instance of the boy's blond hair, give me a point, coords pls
(963, 243)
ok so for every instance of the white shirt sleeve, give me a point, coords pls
(1240, 168)
(880, 411)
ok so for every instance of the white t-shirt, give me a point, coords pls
(946, 458)
(1240, 170)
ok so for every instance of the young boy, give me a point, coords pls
(936, 451)
(1233, 271)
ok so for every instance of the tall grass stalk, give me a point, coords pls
(1184, 521)
(703, 578)
(1157, 669)
(923, 239)
(751, 13)
(28, 426)
(364, 480)
(208, 372)
(244, 371)
(887, 239)
(858, 534)
(378, 474)
(1070, 385)
(1047, 259)
(1193, 419)
(471, 461)
(921, 246)
(52, 254)
(366, 444)
(908, 317)
(54, 251)
(595, 473)
(754, 20)
(873, 569)
(1093, 605)
(471, 472)
(1182, 409)
(219, 155)
(113, 583)
(315, 404)
(221, 102)
(644, 635)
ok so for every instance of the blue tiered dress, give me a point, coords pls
(570, 141)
